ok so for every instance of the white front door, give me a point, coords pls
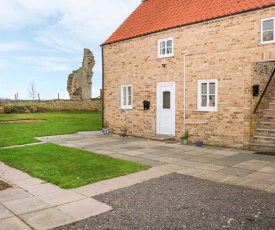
(166, 108)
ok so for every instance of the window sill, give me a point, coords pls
(197, 110)
(166, 56)
(269, 42)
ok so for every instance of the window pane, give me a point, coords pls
(212, 101)
(211, 88)
(204, 88)
(124, 96)
(203, 101)
(129, 95)
(162, 47)
(268, 25)
(166, 100)
(169, 43)
(268, 36)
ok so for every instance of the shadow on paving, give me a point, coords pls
(177, 201)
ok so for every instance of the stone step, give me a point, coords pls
(266, 129)
(271, 105)
(269, 117)
(264, 137)
(265, 147)
(270, 111)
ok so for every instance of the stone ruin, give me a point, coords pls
(79, 84)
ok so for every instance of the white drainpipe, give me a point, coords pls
(184, 87)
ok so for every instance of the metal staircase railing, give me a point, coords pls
(265, 89)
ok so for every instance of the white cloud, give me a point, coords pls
(13, 46)
(46, 63)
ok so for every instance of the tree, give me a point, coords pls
(32, 91)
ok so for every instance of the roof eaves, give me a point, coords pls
(188, 24)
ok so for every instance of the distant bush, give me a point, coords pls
(56, 105)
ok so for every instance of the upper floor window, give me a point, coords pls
(208, 95)
(166, 47)
(126, 96)
(268, 30)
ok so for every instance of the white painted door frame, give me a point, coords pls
(166, 116)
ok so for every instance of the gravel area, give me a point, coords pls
(3, 185)
(177, 201)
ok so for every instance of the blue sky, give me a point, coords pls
(42, 41)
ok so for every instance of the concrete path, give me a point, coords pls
(35, 204)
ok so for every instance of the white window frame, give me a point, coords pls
(165, 40)
(262, 32)
(199, 96)
(125, 99)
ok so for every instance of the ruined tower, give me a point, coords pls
(79, 84)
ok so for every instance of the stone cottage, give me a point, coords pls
(200, 64)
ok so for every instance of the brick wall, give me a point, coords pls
(229, 46)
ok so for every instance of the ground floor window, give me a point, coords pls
(207, 95)
(126, 96)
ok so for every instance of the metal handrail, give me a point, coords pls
(260, 100)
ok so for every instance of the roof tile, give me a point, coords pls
(155, 15)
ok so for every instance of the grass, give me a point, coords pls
(64, 166)
(54, 123)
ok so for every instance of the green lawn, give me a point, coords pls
(53, 123)
(64, 166)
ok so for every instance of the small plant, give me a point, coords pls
(185, 135)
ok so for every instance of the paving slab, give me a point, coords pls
(168, 159)
(252, 164)
(169, 167)
(152, 163)
(41, 189)
(199, 165)
(149, 156)
(262, 176)
(62, 197)
(121, 182)
(4, 213)
(144, 175)
(215, 176)
(13, 194)
(47, 219)
(268, 170)
(26, 183)
(26, 205)
(13, 223)
(271, 188)
(236, 171)
(94, 189)
(192, 171)
(15, 175)
(159, 171)
(84, 208)
(226, 153)
(257, 184)
(203, 159)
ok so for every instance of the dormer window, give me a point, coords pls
(165, 47)
(268, 30)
